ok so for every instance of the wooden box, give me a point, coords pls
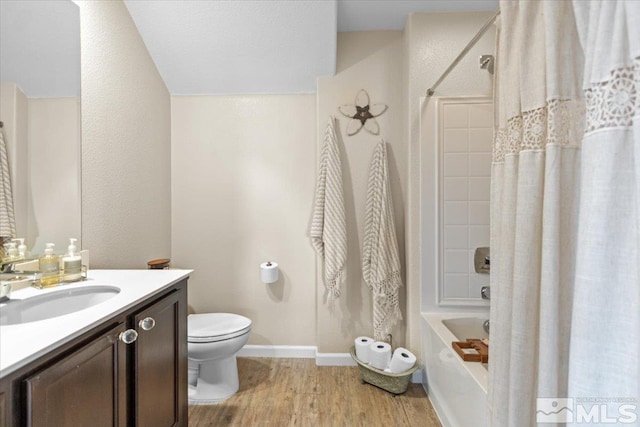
(479, 350)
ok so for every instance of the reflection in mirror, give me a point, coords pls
(40, 111)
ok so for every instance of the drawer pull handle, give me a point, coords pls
(128, 336)
(147, 323)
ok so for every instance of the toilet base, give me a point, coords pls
(216, 381)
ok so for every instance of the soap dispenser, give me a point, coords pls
(72, 263)
(12, 251)
(22, 248)
(49, 267)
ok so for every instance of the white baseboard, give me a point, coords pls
(334, 359)
(278, 351)
(307, 352)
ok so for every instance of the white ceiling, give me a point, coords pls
(366, 15)
(40, 47)
(204, 46)
(223, 47)
(263, 46)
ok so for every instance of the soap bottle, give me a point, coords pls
(12, 251)
(72, 263)
(22, 248)
(5, 252)
(49, 267)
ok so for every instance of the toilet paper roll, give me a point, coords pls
(269, 272)
(402, 360)
(362, 348)
(379, 354)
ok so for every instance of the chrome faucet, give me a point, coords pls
(7, 267)
(10, 277)
(485, 292)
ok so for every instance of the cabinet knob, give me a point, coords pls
(128, 336)
(147, 323)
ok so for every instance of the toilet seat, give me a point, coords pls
(213, 327)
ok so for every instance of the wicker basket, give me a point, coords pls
(393, 383)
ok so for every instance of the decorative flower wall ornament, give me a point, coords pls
(362, 114)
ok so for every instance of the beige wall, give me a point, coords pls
(232, 156)
(126, 126)
(372, 61)
(242, 190)
(54, 172)
(431, 42)
(14, 115)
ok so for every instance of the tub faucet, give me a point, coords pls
(485, 292)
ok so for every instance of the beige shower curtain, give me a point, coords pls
(565, 206)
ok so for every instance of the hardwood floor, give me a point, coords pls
(296, 392)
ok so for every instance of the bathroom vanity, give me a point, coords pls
(119, 362)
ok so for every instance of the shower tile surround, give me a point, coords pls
(465, 133)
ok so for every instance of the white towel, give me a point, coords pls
(7, 218)
(380, 257)
(328, 227)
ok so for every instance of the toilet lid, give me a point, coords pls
(216, 326)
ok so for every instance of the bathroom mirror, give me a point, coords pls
(40, 111)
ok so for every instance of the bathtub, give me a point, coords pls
(457, 389)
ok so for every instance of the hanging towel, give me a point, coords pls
(7, 218)
(328, 227)
(380, 258)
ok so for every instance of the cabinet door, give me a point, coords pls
(161, 363)
(3, 409)
(87, 388)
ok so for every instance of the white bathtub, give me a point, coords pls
(457, 389)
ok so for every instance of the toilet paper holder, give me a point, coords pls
(269, 272)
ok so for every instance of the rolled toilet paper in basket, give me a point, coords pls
(402, 360)
(362, 348)
(379, 354)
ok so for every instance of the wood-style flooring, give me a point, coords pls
(296, 392)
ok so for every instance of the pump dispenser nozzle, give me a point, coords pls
(72, 249)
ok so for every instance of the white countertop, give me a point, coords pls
(23, 343)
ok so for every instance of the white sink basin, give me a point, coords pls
(54, 304)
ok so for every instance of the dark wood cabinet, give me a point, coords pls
(86, 388)
(160, 368)
(99, 380)
(4, 419)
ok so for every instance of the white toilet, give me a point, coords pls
(213, 341)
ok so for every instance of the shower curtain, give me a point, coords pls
(565, 210)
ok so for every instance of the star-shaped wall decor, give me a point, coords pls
(362, 114)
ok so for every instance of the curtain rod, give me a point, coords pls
(462, 54)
